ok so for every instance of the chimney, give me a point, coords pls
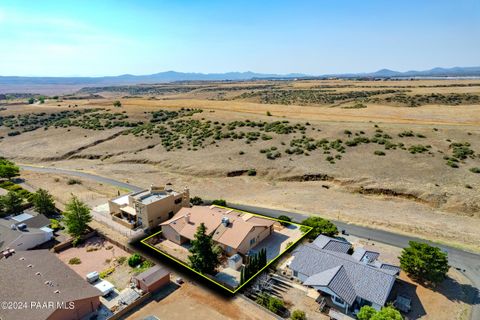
(187, 217)
(151, 188)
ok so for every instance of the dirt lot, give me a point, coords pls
(194, 302)
(98, 255)
(90, 192)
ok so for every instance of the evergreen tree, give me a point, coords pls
(204, 255)
(77, 216)
(12, 203)
(43, 202)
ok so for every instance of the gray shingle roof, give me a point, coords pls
(37, 221)
(327, 243)
(368, 282)
(360, 253)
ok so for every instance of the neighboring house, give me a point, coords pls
(148, 208)
(350, 280)
(49, 287)
(234, 231)
(153, 279)
(24, 231)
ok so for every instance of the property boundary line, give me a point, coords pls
(143, 241)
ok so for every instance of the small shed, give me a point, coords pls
(153, 279)
(235, 261)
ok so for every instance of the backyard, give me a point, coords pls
(97, 254)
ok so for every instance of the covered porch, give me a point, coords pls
(127, 216)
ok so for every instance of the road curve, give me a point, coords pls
(467, 262)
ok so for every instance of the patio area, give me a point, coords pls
(278, 241)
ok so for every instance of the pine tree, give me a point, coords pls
(77, 216)
(43, 202)
(204, 255)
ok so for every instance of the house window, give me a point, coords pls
(228, 249)
(295, 273)
(338, 300)
(252, 241)
(179, 200)
(170, 215)
(177, 237)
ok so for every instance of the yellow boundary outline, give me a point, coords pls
(143, 241)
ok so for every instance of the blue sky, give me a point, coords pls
(92, 38)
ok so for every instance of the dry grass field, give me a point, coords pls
(397, 155)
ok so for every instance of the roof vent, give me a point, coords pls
(21, 258)
(21, 226)
(56, 291)
(38, 273)
(13, 227)
(30, 266)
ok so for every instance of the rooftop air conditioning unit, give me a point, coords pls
(21, 226)
(225, 221)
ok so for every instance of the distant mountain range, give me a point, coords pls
(172, 76)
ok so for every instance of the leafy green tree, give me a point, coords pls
(386, 313)
(77, 216)
(117, 104)
(204, 254)
(31, 101)
(366, 313)
(41, 99)
(298, 315)
(284, 218)
(424, 262)
(12, 203)
(8, 169)
(320, 226)
(43, 202)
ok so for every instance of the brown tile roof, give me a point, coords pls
(241, 224)
(38, 275)
(152, 275)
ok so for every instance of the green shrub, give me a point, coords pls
(252, 172)
(219, 202)
(284, 220)
(106, 272)
(134, 260)
(298, 315)
(73, 181)
(55, 224)
(196, 201)
(74, 260)
(379, 153)
(475, 170)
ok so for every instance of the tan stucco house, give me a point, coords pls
(234, 231)
(148, 208)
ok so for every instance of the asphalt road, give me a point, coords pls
(467, 262)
